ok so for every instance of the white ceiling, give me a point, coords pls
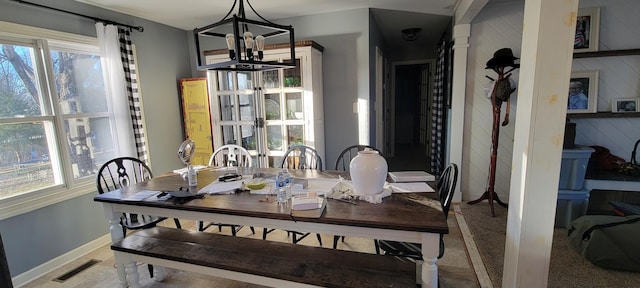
(392, 16)
(190, 14)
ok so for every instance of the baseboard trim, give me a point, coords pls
(478, 266)
(61, 260)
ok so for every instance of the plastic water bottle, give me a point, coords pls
(192, 176)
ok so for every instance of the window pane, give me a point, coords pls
(248, 137)
(228, 134)
(270, 79)
(294, 106)
(247, 108)
(25, 163)
(272, 106)
(19, 92)
(244, 80)
(227, 107)
(90, 144)
(225, 80)
(274, 137)
(79, 82)
(295, 135)
(292, 76)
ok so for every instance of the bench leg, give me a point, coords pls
(159, 273)
(131, 267)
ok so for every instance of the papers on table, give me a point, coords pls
(411, 176)
(321, 186)
(218, 187)
(407, 187)
(184, 170)
(142, 195)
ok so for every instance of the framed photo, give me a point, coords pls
(587, 30)
(625, 105)
(583, 92)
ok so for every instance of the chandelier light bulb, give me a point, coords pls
(260, 46)
(248, 44)
(231, 44)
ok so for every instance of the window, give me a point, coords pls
(55, 121)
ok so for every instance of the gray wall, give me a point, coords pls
(345, 37)
(34, 238)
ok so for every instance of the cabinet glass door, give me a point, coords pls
(236, 110)
(284, 111)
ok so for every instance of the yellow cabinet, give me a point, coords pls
(197, 117)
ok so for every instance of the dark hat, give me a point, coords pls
(502, 58)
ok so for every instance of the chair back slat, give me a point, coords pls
(446, 186)
(301, 157)
(121, 172)
(231, 155)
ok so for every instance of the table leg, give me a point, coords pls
(428, 267)
(115, 229)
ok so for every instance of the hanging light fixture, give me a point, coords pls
(235, 34)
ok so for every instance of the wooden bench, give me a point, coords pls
(263, 262)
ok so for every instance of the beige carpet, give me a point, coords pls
(567, 269)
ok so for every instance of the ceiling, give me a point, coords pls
(392, 16)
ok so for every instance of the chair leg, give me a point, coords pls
(150, 270)
(253, 231)
(335, 241)
(377, 245)
(177, 223)
(319, 239)
(200, 226)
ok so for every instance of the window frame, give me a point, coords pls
(70, 187)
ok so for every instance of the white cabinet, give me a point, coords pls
(268, 111)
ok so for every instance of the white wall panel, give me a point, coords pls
(499, 25)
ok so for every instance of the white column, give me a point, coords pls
(546, 59)
(461, 35)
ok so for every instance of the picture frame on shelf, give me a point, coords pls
(624, 105)
(583, 92)
(587, 35)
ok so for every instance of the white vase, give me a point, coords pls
(368, 172)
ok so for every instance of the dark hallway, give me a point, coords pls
(409, 157)
(410, 153)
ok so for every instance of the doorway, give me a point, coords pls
(410, 114)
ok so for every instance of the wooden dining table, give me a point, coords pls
(409, 217)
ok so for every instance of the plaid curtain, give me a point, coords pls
(133, 94)
(438, 113)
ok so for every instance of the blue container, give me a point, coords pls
(574, 167)
(571, 205)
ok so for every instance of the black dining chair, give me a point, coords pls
(299, 157)
(121, 172)
(342, 164)
(229, 155)
(445, 186)
(345, 157)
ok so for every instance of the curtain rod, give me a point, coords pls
(139, 28)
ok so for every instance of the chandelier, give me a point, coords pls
(244, 41)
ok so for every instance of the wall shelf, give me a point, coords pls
(604, 115)
(625, 52)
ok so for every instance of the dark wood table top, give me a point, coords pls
(403, 211)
